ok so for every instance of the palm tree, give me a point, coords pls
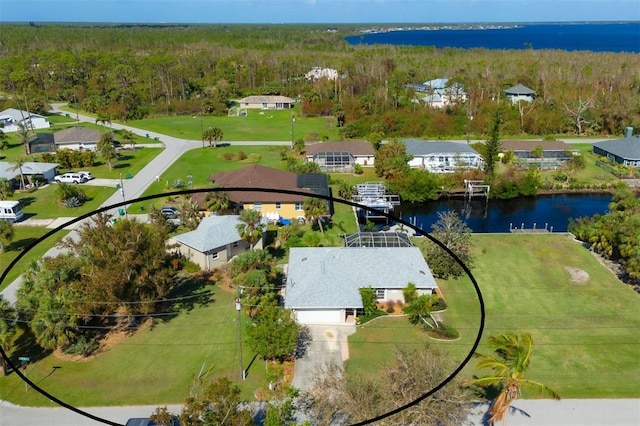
(217, 200)
(23, 132)
(104, 120)
(6, 188)
(6, 234)
(4, 139)
(17, 165)
(7, 330)
(314, 210)
(508, 366)
(251, 228)
(128, 138)
(106, 148)
(189, 215)
(213, 134)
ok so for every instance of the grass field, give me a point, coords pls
(154, 366)
(585, 335)
(23, 236)
(256, 126)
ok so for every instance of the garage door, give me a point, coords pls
(321, 316)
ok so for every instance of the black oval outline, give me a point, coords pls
(416, 401)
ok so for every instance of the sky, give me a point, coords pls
(318, 11)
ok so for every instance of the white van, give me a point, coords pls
(11, 211)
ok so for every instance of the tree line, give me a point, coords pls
(131, 72)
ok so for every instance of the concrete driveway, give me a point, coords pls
(328, 343)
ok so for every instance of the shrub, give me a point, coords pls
(71, 202)
(242, 155)
(443, 331)
(83, 346)
(357, 169)
(390, 306)
(228, 156)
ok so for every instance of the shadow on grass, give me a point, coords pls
(25, 346)
(26, 201)
(20, 245)
(189, 293)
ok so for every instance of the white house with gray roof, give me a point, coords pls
(519, 93)
(442, 156)
(11, 119)
(30, 169)
(323, 282)
(214, 242)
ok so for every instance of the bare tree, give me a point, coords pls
(578, 114)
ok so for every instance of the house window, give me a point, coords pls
(278, 205)
(235, 244)
(298, 206)
(380, 293)
(214, 256)
(257, 206)
(264, 105)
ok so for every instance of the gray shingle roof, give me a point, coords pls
(627, 148)
(77, 135)
(420, 148)
(213, 232)
(519, 89)
(329, 277)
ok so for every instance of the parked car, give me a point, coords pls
(169, 212)
(70, 178)
(88, 175)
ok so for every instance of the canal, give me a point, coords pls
(496, 216)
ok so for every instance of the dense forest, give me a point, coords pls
(136, 71)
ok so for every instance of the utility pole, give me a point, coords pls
(239, 308)
(123, 197)
(293, 133)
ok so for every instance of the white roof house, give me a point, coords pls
(214, 242)
(317, 73)
(442, 156)
(30, 168)
(323, 282)
(439, 93)
(11, 119)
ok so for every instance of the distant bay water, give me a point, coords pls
(595, 37)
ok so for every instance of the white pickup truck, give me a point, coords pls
(70, 178)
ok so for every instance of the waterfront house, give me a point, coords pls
(553, 153)
(622, 151)
(442, 156)
(323, 283)
(340, 156)
(273, 205)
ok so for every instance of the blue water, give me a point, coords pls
(596, 37)
(494, 216)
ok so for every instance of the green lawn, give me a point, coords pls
(42, 203)
(585, 335)
(256, 126)
(592, 174)
(23, 236)
(154, 366)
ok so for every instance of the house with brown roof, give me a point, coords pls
(554, 153)
(340, 156)
(272, 205)
(266, 102)
(77, 138)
